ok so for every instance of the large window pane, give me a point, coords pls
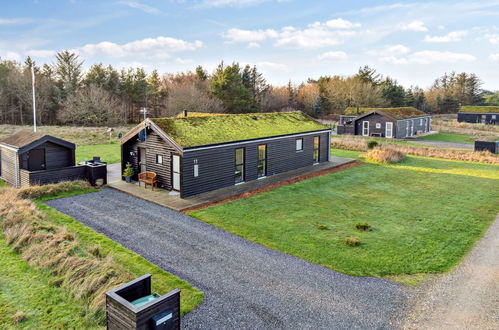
(239, 165)
(262, 161)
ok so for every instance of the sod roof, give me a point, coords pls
(479, 109)
(397, 113)
(197, 131)
(198, 114)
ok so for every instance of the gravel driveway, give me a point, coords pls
(245, 284)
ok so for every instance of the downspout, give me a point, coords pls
(329, 146)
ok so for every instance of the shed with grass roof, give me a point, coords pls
(197, 154)
(479, 114)
(397, 123)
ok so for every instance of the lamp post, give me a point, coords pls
(34, 99)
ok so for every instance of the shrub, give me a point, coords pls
(363, 227)
(384, 155)
(51, 189)
(128, 170)
(371, 144)
(352, 241)
(322, 226)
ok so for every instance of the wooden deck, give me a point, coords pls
(173, 201)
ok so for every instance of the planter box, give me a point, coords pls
(134, 306)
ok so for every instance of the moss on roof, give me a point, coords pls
(397, 113)
(479, 109)
(197, 131)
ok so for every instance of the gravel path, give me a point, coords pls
(245, 284)
(442, 144)
(468, 297)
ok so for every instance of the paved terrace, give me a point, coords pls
(165, 198)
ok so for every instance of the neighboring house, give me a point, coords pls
(479, 114)
(28, 158)
(384, 122)
(193, 155)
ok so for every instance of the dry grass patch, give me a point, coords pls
(44, 245)
(52, 189)
(449, 124)
(383, 155)
(359, 144)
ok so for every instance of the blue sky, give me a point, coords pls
(413, 42)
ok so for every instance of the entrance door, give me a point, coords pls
(412, 128)
(389, 130)
(365, 128)
(142, 160)
(176, 172)
(36, 160)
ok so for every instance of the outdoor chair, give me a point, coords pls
(149, 178)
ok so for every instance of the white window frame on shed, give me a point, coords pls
(364, 128)
(389, 124)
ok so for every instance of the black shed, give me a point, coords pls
(28, 158)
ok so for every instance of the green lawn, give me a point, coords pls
(109, 153)
(31, 290)
(449, 137)
(425, 213)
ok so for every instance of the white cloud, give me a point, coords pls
(238, 35)
(273, 66)
(429, 57)
(494, 57)
(388, 51)
(40, 53)
(336, 56)
(232, 3)
(315, 35)
(9, 55)
(493, 38)
(449, 37)
(253, 45)
(15, 21)
(340, 23)
(159, 47)
(140, 6)
(184, 60)
(415, 25)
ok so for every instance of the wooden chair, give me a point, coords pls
(149, 178)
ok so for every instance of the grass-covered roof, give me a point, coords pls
(198, 114)
(479, 109)
(197, 131)
(397, 113)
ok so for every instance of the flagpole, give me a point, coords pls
(34, 101)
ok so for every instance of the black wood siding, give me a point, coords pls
(154, 145)
(216, 165)
(56, 156)
(374, 119)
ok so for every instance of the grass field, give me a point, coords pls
(425, 213)
(449, 137)
(31, 290)
(109, 153)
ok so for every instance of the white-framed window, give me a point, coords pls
(421, 121)
(378, 125)
(389, 130)
(299, 144)
(365, 128)
(494, 117)
(159, 159)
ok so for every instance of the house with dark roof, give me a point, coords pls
(479, 114)
(28, 158)
(384, 122)
(197, 154)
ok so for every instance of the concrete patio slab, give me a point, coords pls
(173, 201)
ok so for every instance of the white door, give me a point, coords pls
(389, 130)
(412, 128)
(365, 128)
(407, 129)
(176, 172)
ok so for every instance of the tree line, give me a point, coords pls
(103, 95)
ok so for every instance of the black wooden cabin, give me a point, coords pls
(193, 155)
(479, 115)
